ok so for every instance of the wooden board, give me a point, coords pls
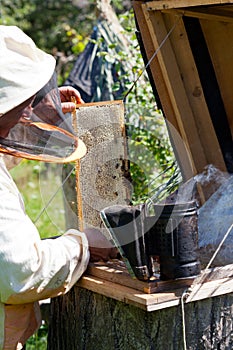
(217, 38)
(115, 271)
(111, 281)
(177, 92)
(170, 4)
(177, 80)
(199, 121)
(217, 13)
(148, 302)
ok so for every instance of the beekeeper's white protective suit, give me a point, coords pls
(31, 269)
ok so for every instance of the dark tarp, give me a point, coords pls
(93, 74)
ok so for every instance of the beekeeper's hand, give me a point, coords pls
(66, 94)
(99, 246)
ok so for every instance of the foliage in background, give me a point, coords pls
(57, 27)
(152, 161)
(39, 340)
(46, 22)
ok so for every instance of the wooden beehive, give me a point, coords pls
(192, 76)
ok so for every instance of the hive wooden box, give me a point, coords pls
(192, 76)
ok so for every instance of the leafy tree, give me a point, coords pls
(47, 22)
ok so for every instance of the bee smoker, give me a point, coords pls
(171, 233)
(174, 237)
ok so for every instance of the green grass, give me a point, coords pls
(39, 183)
(39, 340)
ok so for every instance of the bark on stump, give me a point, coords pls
(86, 320)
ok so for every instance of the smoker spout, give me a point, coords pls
(127, 227)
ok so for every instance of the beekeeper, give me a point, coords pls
(33, 126)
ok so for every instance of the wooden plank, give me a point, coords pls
(211, 289)
(217, 36)
(148, 302)
(190, 77)
(213, 282)
(170, 4)
(176, 90)
(217, 273)
(187, 109)
(186, 133)
(212, 14)
(115, 271)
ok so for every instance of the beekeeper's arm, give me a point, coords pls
(33, 269)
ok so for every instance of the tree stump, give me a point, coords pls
(86, 320)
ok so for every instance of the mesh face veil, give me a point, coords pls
(43, 132)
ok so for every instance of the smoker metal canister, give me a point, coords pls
(176, 235)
